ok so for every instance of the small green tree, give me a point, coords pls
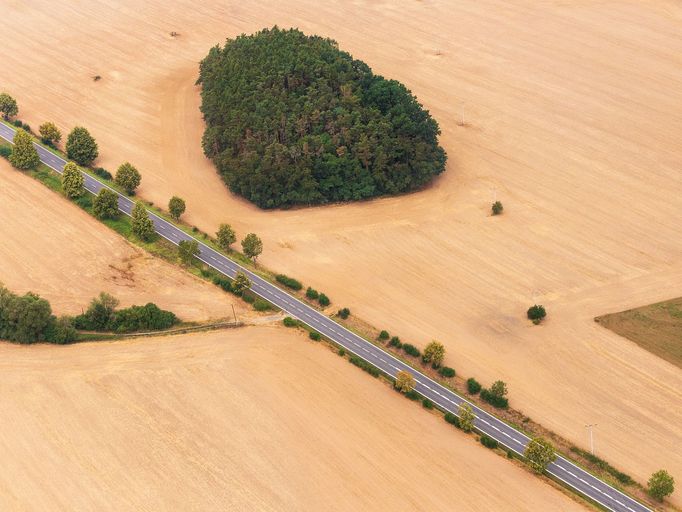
(24, 155)
(466, 417)
(73, 182)
(8, 106)
(434, 353)
(497, 208)
(81, 146)
(241, 283)
(128, 177)
(225, 236)
(498, 389)
(176, 207)
(539, 454)
(141, 224)
(252, 246)
(188, 250)
(49, 133)
(105, 205)
(661, 484)
(404, 381)
(536, 313)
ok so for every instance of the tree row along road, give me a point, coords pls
(573, 476)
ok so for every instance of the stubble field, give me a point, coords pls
(572, 120)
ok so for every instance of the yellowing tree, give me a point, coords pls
(434, 353)
(24, 155)
(539, 454)
(466, 417)
(49, 133)
(404, 381)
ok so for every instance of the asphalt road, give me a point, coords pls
(562, 469)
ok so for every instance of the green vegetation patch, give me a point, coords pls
(293, 120)
(656, 328)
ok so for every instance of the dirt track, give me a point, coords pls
(572, 121)
(255, 419)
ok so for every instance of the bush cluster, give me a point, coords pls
(411, 350)
(623, 478)
(495, 400)
(412, 395)
(452, 419)
(361, 363)
(261, 305)
(323, 300)
(321, 128)
(427, 404)
(103, 316)
(395, 342)
(289, 282)
(5, 152)
(102, 173)
(383, 335)
(311, 293)
(473, 386)
(488, 442)
(290, 322)
(315, 336)
(446, 372)
(344, 313)
(223, 282)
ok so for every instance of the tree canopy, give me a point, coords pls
(73, 182)
(293, 120)
(176, 207)
(49, 133)
(8, 106)
(24, 155)
(128, 177)
(81, 146)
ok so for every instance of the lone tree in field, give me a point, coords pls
(81, 147)
(536, 314)
(322, 128)
(252, 246)
(188, 250)
(661, 484)
(497, 208)
(404, 381)
(241, 283)
(8, 106)
(225, 236)
(498, 389)
(24, 155)
(176, 207)
(466, 417)
(105, 205)
(73, 182)
(141, 224)
(49, 133)
(539, 454)
(128, 178)
(434, 353)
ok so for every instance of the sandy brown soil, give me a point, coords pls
(53, 248)
(255, 419)
(572, 120)
(656, 327)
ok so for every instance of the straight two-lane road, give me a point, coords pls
(562, 469)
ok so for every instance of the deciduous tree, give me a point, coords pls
(49, 133)
(498, 389)
(188, 250)
(466, 417)
(142, 225)
(24, 155)
(434, 353)
(73, 182)
(128, 177)
(225, 236)
(252, 246)
(8, 106)
(404, 381)
(81, 146)
(661, 484)
(176, 207)
(241, 283)
(539, 454)
(105, 205)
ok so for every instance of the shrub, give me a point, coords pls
(261, 305)
(223, 282)
(488, 442)
(357, 135)
(81, 147)
(344, 313)
(289, 282)
(143, 318)
(5, 152)
(323, 300)
(342, 352)
(434, 353)
(248, 298)
(18, 123)
(446, 372)
(49, 133)
(451, 419)
(497, 208)
(495, 400)
(60, 331)
(473, 386)
(315, 336)
(290, 322)
(311, 294)
(102, 173)
(536, 313)
(404, 381)
(412, 395)
(395, 342)
(411, 350)
(383, 335)
(427, 404)
(361, 363)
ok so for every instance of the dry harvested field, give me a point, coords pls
(52, 247)
(255, 419)
(572, 118)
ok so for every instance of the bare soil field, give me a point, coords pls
(254, 419)
(52, 247)
(571, 119)
(656, 327)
